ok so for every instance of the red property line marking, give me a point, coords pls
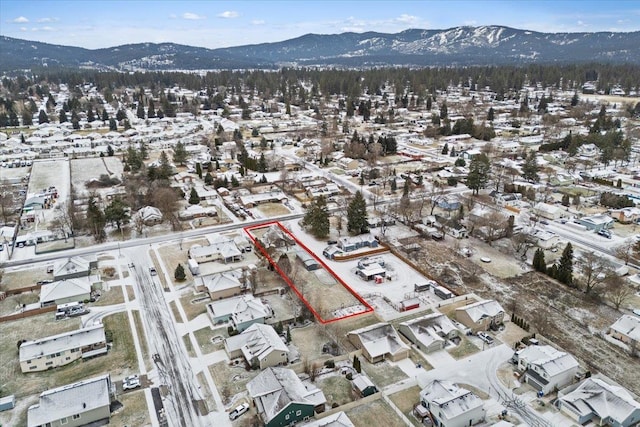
(368, 308)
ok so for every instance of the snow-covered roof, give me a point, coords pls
(629, 326)
(380, 339)
(63, 289)
(594, 396)
(339, 419)
(43, 347)
(71, 265)
(451, 400)
(547, 358)
(71, 399)
(361, 382)
(429, 329)
(257, 341)
(222, 281)
(275, 388)
(482, 309)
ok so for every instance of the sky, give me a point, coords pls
(104, 23)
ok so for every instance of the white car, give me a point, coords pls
(239, 410)
(153, 271)
(486, 338)
(131, 382)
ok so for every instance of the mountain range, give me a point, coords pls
(459, 46)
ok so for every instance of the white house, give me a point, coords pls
(481, 315)
(626, 329)
(545, 368)
(379, 342)
(451, 405)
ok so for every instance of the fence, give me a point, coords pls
(28, 313)
(21, 290)
(359, 254)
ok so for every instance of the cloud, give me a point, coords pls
(258, 22)
(173, 16)
(20, 20)
(407, 19)
(192, 16)
(23, 29)
(43, 20)
(228, 14)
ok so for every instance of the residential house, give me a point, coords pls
(149, 215)
(348, 163)
(545, 239)
(451, 405)
(309, 262)
(242, 311)
(253, 200)
(379, 342)
(545, 368)
(35, 203)
(338, 419)
(331, 252)
(64, 291)
(78, 404)
(480, 316)
(627, 330)
(282, 399)
(260, 345)
(596, 222)
(626, 215)
(363, 386)
(545, 210)
(73, 267)
(429, 333)
(596, 402)
(352, 243)
(62, 349)
(222, 285)
(223, 250)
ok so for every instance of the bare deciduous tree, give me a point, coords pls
(593, 271)
(618, 291)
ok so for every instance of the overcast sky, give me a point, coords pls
(213, 24)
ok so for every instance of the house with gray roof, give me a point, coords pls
(73, 405)
(222, 285)
(429, 333)
(379, 342)
(62, 349)
(241, 311)
(260, 346)
(598, 402)
(451, 405)
(282, 399)
(64, 291)
(481, 315)
(626, 329)
(72, 267)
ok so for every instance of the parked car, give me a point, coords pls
(131, 382)
(485, 337)
(239, 410)
(153, 271)
(605, 233)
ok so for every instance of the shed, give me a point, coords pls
(7, 402)
(410, 304)
(363, 386)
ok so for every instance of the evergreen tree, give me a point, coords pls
(539, 263)
(262, 163)
(151, 113)
(121, 115)
(234, 181)
(530, 168)
(179, 154)
(90, 116)
(27, 118)
(96, 220)
(42, 117)
(445, 149)
(180, 274)
(394, 185)
(199, 170)
(565, 266)
(357, 214)
(317, 217)
(110, 152)
(444, 111)
(479, 169)
(574, 99)
(490, 115)
(164, 170)
(194, 199)
(208, 179)
(113, 125)
(140, 111)
(565, 200)
(63, 116)
(117, 212)
(105, 115)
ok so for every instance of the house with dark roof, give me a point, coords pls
(282, 399)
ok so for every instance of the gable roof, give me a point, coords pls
(595, 396)
(482, 309)
(30, 350)
(380, 339)
(451, 400)
(628, 325)
(71, 265)
(70, 399)
(66, 288)
(257, 341)
(339, 419)
(221, 281)
(275, 388)
(548, 359)
(428, 329)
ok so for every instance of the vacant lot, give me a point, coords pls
(309, 341)
(382, 374)
(406, 400)
(337, 389)
(376, 413)
(135, 411)
(273, 209)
